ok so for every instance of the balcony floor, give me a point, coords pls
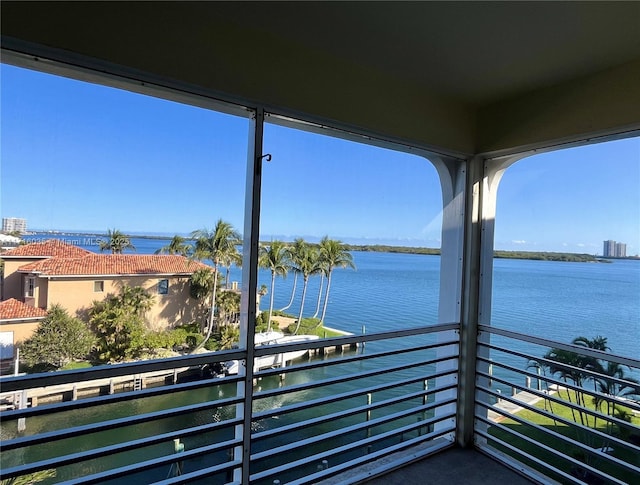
(451, 467)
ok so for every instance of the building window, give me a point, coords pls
(98, 286)
(29, 286)
(163, 287)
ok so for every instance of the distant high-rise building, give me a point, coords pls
(609, 249)
(613, 249)
(11, 224)
(621, 250)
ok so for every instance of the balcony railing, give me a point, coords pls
(568, 411)
(169, 421)
(352, 411)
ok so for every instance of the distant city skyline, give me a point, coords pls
(614, 249)
(83, 157)
(14, 224)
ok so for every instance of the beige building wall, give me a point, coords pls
(174, 308)
(13, 286)
(22, 330)
(42, 293)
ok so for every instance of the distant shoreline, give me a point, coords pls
(498, 254)
(382, 248)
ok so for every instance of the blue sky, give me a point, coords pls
(78, 156)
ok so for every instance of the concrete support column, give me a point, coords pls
(473, 248)
(452, 175)
(481, 186)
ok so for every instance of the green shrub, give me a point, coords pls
(261, 321)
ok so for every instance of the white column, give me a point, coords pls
(452, 175)
(482, 186)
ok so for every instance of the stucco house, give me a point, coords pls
(18, 321)
(45, 273)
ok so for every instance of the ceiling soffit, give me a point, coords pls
(431, 73)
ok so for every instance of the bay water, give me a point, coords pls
(389, 291)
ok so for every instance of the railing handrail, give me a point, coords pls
(555, 363)
(262, 350)
(554, 381)
(598, 354)
(44, 379)
(29, 381)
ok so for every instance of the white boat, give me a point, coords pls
(267, 338)
(292, 339)
(273, 360)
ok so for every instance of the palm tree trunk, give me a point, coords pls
(293, 293)
(304, 294)
(550, 403)
(319, 296)
(326, 296)
(573, 414)
(213, 309)
(273, 284)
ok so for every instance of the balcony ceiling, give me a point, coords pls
(464, 77)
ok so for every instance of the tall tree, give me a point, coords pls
(306, 263)
(201, 287)
(215, 245)
(201, 283)
(294, 250)
(178, 245)
(116, 242)
(322, 271)
(566, 364)
(275, 257)
(615, 385)
(232, 257)
(228, 304)
(334, 255)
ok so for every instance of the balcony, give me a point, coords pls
(471, 87)
(390, 406)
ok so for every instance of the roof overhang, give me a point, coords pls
(455, 77)
(107, 276)
(14, 321)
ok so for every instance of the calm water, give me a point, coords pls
(555, 300)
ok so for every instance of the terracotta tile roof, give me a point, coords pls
(13, 309)
(49, 248)
(114, 264)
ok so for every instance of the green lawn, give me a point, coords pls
(574, 433)
(76, 365)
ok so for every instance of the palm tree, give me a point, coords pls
(306, 263)
(615, 389)
(117, 242)
(178, 245)
(228, 304)
(136, 298)
(591, 363)
(334, 255)
(215, 245)
(201, 283)
(566, 364)
(323, 270)
(276, 258)
(294, 250)
(231, 258)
